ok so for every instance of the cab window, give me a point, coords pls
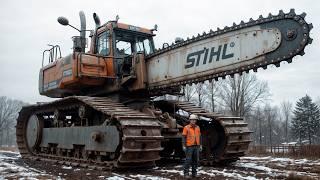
(147, 43)
(123, 47)
(144, 45)
(103, 44)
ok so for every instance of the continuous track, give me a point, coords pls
(225, 141)
(137, 149)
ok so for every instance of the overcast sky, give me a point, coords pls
(28, 26)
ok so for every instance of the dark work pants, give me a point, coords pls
(192, 158)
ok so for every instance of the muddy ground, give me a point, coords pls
(250, 167)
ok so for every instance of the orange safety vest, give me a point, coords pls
(192, 135)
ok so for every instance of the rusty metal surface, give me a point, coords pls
(294, 37)
(140, 133)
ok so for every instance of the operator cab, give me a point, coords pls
(126, 43)
(115, 61)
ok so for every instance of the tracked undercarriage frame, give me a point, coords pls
(101, 133)
(98, 132)
(224, 138)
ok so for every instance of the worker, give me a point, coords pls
(191, 144)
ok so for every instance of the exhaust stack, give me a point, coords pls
(82, 31)
(96, 20)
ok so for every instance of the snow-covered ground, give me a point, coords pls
(12, 167)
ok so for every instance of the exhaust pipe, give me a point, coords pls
(96, 20)
(83, 24)
(82, 31)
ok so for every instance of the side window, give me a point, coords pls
(147, 46)
(103, 44)
(139, 47)
(144, 46)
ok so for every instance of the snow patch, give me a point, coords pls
(115, 178)
(253, 166)
(148, 177)
(171, 171)
(301, 161)
(66, 167)
(256, 158)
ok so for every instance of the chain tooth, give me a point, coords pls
(277, 64)
(270, 15)
(310, 40)
(241, 22)
(292, 12)
(281, 13)
(251, 20)
(260, 16)
(265, 67)
(234, 24)
(211, 31)
(289, 60)
(301, 53)
(303, 15)
(310, 26)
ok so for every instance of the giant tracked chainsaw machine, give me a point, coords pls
(107, 115)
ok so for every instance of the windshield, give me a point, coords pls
(128, 43)
(123, 47)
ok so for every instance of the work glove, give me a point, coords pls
(184, 148)
(200, 149)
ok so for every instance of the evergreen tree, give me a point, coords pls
(306, 121)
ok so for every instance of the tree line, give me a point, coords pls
(248, 97)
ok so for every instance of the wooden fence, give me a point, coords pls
(290, 150)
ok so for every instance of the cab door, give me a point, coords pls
(123, 55)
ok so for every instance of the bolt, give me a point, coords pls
(290, 33)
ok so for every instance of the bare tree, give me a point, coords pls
(241, 93)
(200, 90)
(9, 110)
(270, 115)
(211, 93)
(258, 119)
(286, 109)
(188, 91)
